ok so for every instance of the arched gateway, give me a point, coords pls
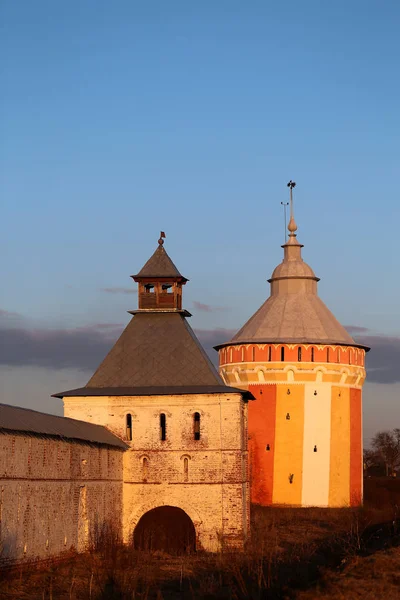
(166, 528)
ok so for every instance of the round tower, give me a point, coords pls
(306, 373)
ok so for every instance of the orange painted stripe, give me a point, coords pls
(355, 447)
(262, 414)
(289, 432)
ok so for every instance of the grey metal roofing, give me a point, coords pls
(294, 318)
(155, 391)
(24, 420)
(159, 265)
(293, 313)
(156, 349)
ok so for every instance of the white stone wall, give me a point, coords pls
(55, 495)
(214, 492)
(317, 435)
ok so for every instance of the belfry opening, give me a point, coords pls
(167, 529)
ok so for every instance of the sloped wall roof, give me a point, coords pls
(24, 420)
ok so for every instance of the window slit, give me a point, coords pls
(196, 424)
(129, 427)
(145, 469)
(163, 427)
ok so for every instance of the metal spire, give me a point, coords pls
(284, 204)
(292, 223)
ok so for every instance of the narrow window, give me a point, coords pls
(282, 353)
(269, 353)
(253, 354)
(196, 426)
(242, 354)
(299, 354)
(327, 354)
(338, 355)
(230, 354)
(145, 468)
(129, 427)
(163, 427)
(349, 356)
(312, 354)
(185, 469)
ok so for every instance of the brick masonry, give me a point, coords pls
(56, 495)
(207, 478)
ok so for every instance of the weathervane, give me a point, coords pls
(161, 240)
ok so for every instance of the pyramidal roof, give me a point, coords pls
(157, 349)
(159, 265)
(157, 354)
(293, 313)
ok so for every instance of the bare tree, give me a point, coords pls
(371, 458)
(387, 445)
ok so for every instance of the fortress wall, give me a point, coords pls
(55, 495)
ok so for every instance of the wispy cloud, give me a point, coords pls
(81, 347)
(383, 360)
(208, 307)
(8, 314)
(85, 347)
(118, 290)
(212, 337)
(356, 329)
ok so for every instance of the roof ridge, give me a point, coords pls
(29, 421)
(39, 412)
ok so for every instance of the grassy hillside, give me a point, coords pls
(293, 553)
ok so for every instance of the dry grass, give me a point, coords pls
(367, 577)
(293, 553)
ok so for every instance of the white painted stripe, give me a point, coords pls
(317, 432)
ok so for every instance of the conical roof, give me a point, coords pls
(293, 313)
(289, 318)
(159, 265)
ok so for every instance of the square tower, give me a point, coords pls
(185, 473)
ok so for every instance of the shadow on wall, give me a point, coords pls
(8, 547)
(166, 528)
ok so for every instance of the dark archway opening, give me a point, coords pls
(166, 528)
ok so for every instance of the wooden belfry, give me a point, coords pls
(159, 282)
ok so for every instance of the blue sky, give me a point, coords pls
(119, 119)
